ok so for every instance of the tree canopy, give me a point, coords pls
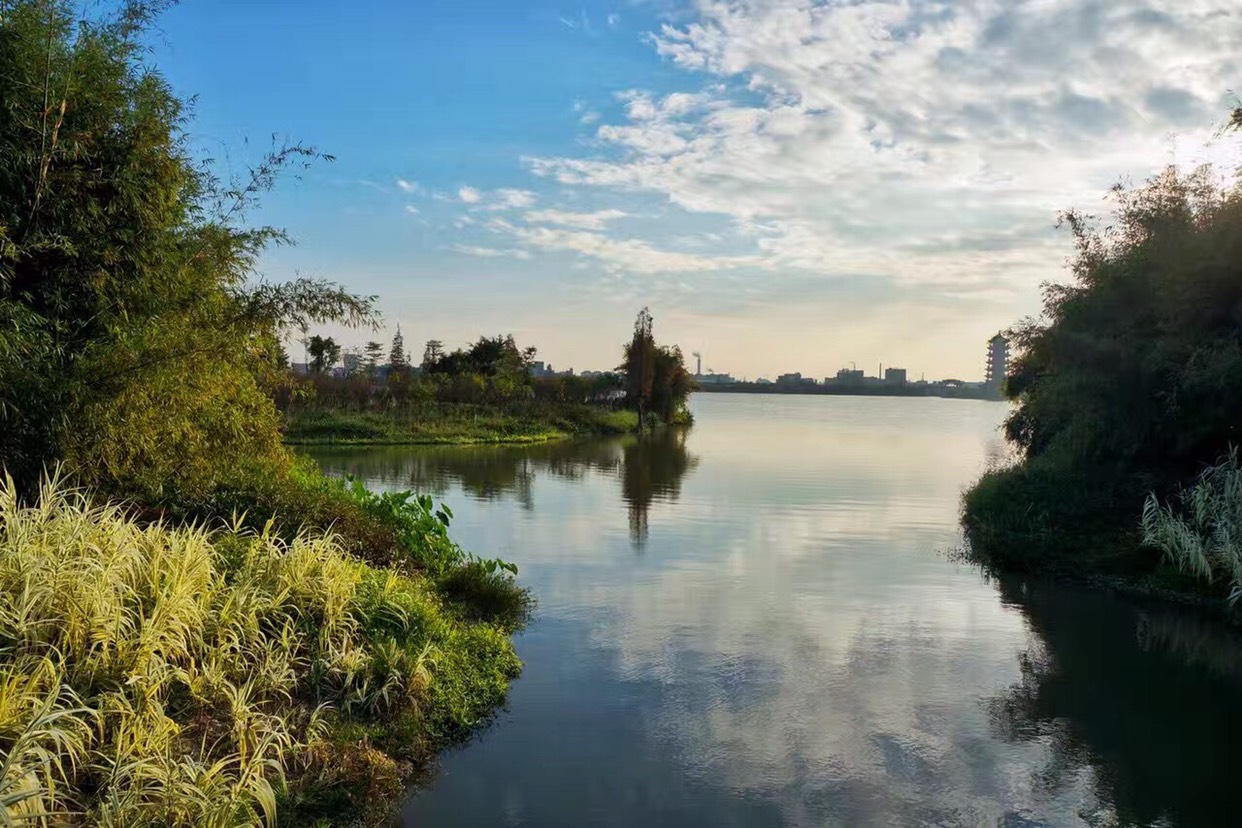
(656, 379)
(1130, 383)
(136, 339)
(1138, 361)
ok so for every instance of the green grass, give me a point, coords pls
(1037, 518)
(207, 675)
(1082, 525)
(455, 424)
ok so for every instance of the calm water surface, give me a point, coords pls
(759, 623)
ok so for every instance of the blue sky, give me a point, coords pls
(789, 185)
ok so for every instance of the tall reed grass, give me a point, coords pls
(152, 675)
(1200, 530)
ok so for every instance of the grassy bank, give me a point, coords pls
(1079, 526)
(456, 423)
(222, 675)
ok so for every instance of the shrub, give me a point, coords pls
(1037, 516)
(486, 591)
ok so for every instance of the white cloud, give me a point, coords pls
(586, 115)
(411, 209)
(596, 220)
(614, 20)
(496, 200)
(629, 255)
(920, 141)
(511, 199)
(407, 186)
(490, 252)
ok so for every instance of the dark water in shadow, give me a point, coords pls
(757, 623)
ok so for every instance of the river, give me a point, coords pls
(762, 622)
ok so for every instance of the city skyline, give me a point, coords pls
(693, 362)
(783, 184)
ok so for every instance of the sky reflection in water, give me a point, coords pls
(757, 622)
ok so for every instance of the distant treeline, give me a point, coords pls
(651, 380)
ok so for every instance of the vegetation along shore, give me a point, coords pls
(1127, 392)
(197, 627)
(488, 392)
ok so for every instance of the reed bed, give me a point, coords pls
(180, 676)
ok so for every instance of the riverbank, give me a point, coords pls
(191, 673)
(455, 424)
(1125, 402)
(1076, 527)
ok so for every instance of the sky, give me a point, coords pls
(789, 185)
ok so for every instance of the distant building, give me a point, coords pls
(894, 376)
(540, 369)
(763, 381)
(713, 379)
(850, 376)
(998, 362)
(789, 379)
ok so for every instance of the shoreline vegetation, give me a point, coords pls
(197, 627)
(172, 673)
(490, 391)
(1126, 395)
(455, 425)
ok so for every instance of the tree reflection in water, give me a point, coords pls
(1110, 686)
(650, 469)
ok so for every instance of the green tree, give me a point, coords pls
(1137, 363)
(398, 360)
(324, 352)
(134, 341)
(1130, 382)
(433, 352)
(671, 383)
(372, 352)
(639, 365)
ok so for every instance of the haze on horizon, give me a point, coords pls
(790, 186)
